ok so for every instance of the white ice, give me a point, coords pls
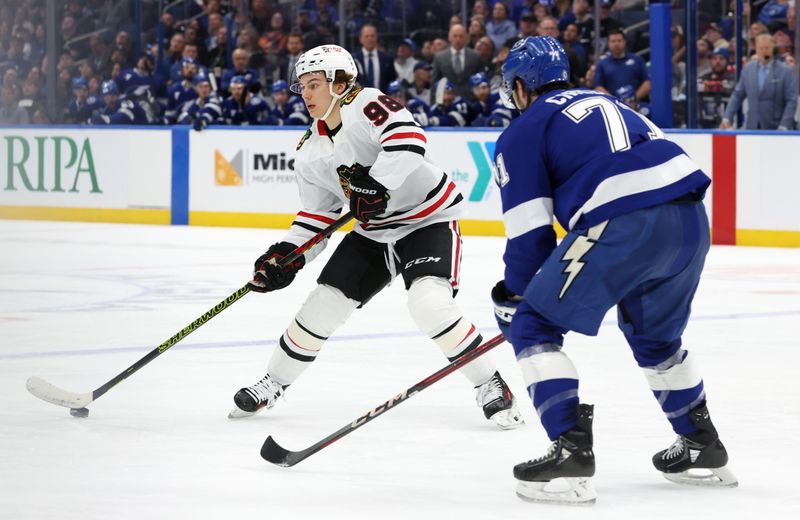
(81, 302)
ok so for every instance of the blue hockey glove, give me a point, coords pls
(200, 123)
(505, 305)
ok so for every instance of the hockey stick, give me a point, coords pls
(272, 452)
(77, 401)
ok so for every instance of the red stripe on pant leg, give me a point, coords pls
(723, 208)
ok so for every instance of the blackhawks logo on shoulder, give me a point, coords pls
(303, 139)
(349, 97)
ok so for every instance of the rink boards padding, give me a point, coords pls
(244, 177)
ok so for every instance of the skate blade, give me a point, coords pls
(711, 477)
(575, 491)
(238, 413)
(508, 419)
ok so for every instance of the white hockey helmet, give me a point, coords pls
(327, 59)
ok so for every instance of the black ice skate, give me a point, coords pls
(569, 458)
(498, 403)
(252, 399)
(697, 458)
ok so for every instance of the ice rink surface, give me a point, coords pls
(81, 302)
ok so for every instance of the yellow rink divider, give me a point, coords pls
(744, 237)
(111, 215)
(766, 238)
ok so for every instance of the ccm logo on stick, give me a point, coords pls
(423, 260)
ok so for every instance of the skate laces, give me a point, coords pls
(676, 450)
(490, 391)
(265, 390)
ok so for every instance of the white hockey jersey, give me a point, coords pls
(378, 132)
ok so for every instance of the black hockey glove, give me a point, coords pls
(368, 197)
(268, 275)
(505, 305)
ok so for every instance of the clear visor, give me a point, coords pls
(297, 87)
(506, 96)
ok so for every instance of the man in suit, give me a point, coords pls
(288, 59)
(770, 90)
(457, 63)
(375, 68)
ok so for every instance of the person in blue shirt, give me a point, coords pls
(637, 237)
(287, 109)
(181, 93)
(420, 110)
(621, 67)
(244, 108)
(83, 105)
(117, 109)
(449, 109)
(204, 110)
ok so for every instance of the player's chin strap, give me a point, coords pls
(336, 98)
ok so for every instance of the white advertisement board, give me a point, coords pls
(243, 171)
(76, 168)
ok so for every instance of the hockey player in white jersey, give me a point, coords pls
(364, 151)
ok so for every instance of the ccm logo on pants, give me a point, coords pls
(423, 260)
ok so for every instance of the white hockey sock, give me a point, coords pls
(323, 312)
(431, 304)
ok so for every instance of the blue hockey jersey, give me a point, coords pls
(210, 110)
(134, 82)
(455, 114)
(254, 112)
(123, 112)
(292, 113)
(178, 98)
(583, 157)
(81, 113)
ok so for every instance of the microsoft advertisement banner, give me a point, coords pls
(76, 168)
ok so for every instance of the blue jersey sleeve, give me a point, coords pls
(521, 174)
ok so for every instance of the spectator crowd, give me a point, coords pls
(218, 62)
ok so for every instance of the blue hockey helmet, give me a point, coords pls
(79, 82)
(109, 87)
(478, 79)
(239, 80)
(279, 86)
(536, 61)
(625, 93)
(394, 87)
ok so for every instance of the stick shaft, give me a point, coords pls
(272, 452)
(214, 311)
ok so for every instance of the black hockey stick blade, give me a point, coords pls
(273, 452)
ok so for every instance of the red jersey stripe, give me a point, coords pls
(326, 220)
(406, 135)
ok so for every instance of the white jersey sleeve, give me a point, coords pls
(321, 206)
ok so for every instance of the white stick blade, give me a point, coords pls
(52, 394)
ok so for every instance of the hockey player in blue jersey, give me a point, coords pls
(83, 104)
(420, 110)
(181, 93)
(140, 78)
(449, 109)
(117, 109)
(244, 108)
(287, 109)
(637, 237)
(205, 110)
(627, 94)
